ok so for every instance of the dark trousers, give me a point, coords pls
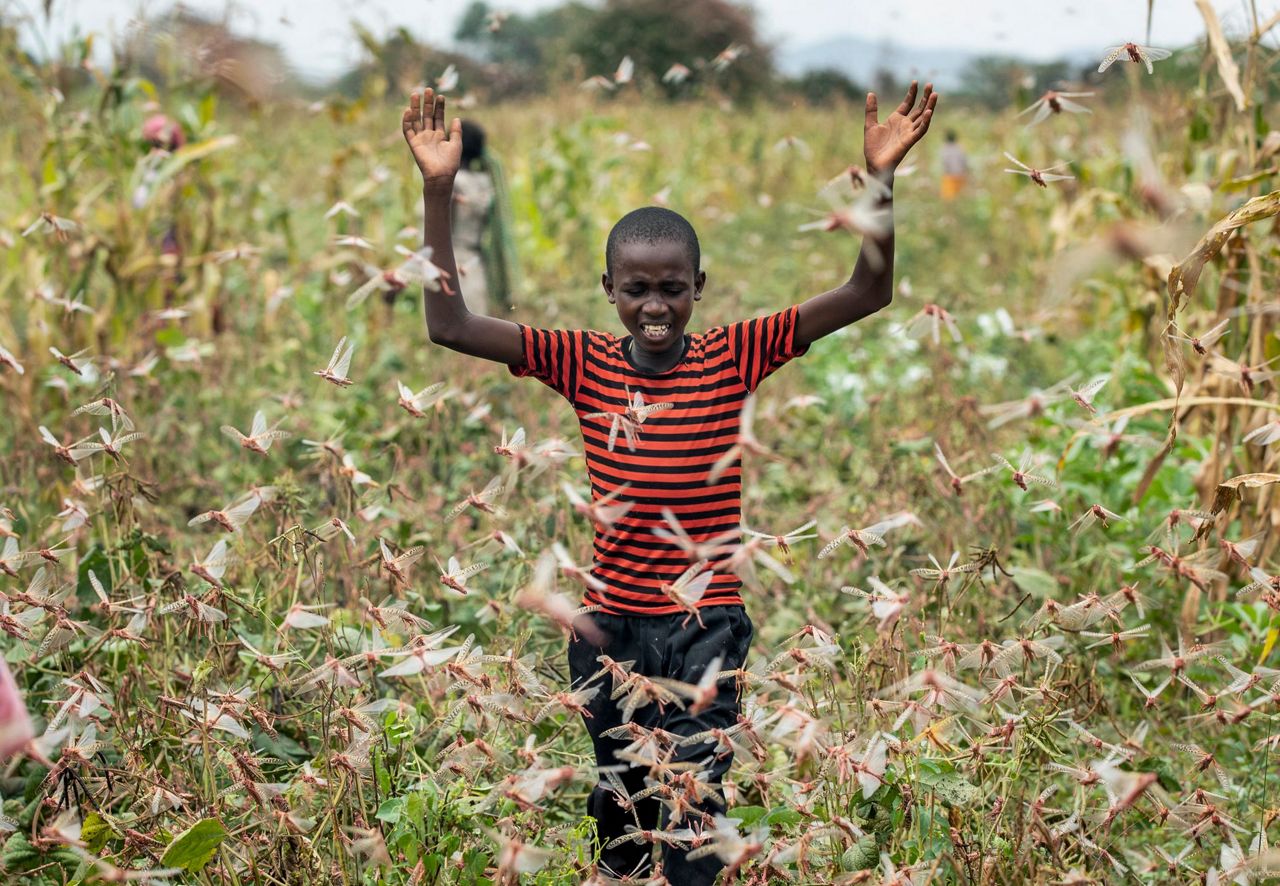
(661, 647)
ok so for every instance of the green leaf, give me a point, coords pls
(95, 831)
(953, 790)
(193, 848)
(415, 807)
(170, 337)
(281, 746)
(917, 446)
(783, 815)
(1200, 129)
(1165, 776)
(382, 775)
(17, 852)
(95, 560)
(930, 769)
(147, 88)
(1036, 582)
(860, 856)
(748, 815)
(208, 106)
(390, 810)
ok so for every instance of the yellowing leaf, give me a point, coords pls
(1272, 635)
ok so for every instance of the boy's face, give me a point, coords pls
(654, 286)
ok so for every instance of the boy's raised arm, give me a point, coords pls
(438, 153)
(870, 287)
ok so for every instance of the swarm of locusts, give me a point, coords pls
(282, 611)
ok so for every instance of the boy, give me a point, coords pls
(652, 275)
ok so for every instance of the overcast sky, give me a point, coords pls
(316, 34)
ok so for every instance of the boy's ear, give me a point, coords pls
(607, 283)
(699, 281)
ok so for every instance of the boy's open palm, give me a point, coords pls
(885, 144)
(438, 151)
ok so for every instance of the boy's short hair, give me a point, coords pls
(652, 224)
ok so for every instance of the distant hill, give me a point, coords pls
(860, 59)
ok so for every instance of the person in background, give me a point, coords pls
(955, 167)
(161, 132)
(163, 135)
(481, 233)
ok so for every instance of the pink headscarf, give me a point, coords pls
(163, 132)
(15, 723)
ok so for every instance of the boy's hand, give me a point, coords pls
(437, 151)
(885, 144)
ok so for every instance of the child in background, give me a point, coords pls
(481, 237)
(663, 460)
(955, 167)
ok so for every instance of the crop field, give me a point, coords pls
(323, 650)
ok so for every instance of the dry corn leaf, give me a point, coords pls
(1227, 68)
(1230, 490)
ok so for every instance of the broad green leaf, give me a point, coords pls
(783, 815)
(170, 337)
(953, 790)
(390, 810)
(748, 815)
(1036, 582)
(193, 848)
(95, 831)
(860, 856)
(17, 852)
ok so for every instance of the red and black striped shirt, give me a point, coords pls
(675, 448)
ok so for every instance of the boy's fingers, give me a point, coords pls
(873, 117)
(909, 100)
(924, 102)
(406, 122)
(414, 114)
(455, 132)
(438, 118)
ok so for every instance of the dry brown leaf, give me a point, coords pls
(1230, 490)
(1185, 275)
(1227, 68)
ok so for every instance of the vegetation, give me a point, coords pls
(1075, 700)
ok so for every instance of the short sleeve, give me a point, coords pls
(553, 357)
(762, 345)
